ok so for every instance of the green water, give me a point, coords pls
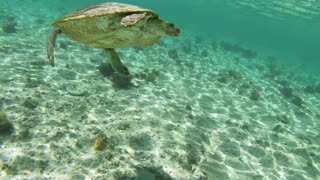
(293, 35)
(235, 96)
(288, 29)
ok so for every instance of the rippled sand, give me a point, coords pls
(193, 110)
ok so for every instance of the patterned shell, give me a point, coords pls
(100, 25)
(103, 9)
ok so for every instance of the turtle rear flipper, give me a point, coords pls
(51, 44)
(116, 62)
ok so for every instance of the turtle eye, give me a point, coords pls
(171, 25)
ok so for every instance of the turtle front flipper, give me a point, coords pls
(116, 62)
(51, 44)
(132, 19)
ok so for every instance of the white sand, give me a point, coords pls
(188, 124)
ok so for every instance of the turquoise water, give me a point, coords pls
(235, 96)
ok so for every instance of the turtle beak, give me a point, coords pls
(172, 30)
(175, 32)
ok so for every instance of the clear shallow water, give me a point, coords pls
(236, 96)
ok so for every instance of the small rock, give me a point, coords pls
(296, 100)
(141, 142)
(30, 103)
(286, 91)
(284, 119)
(100, 143)
(254, 95)
(5, 124)
(188, 107)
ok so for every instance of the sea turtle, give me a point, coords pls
(111, 25)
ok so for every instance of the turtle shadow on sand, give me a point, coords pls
(109, 26)
(120, 81)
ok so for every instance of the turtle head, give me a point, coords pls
(165, 28)
(170, 29)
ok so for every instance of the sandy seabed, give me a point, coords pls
(194, 109)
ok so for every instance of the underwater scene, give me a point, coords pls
(152, 90)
